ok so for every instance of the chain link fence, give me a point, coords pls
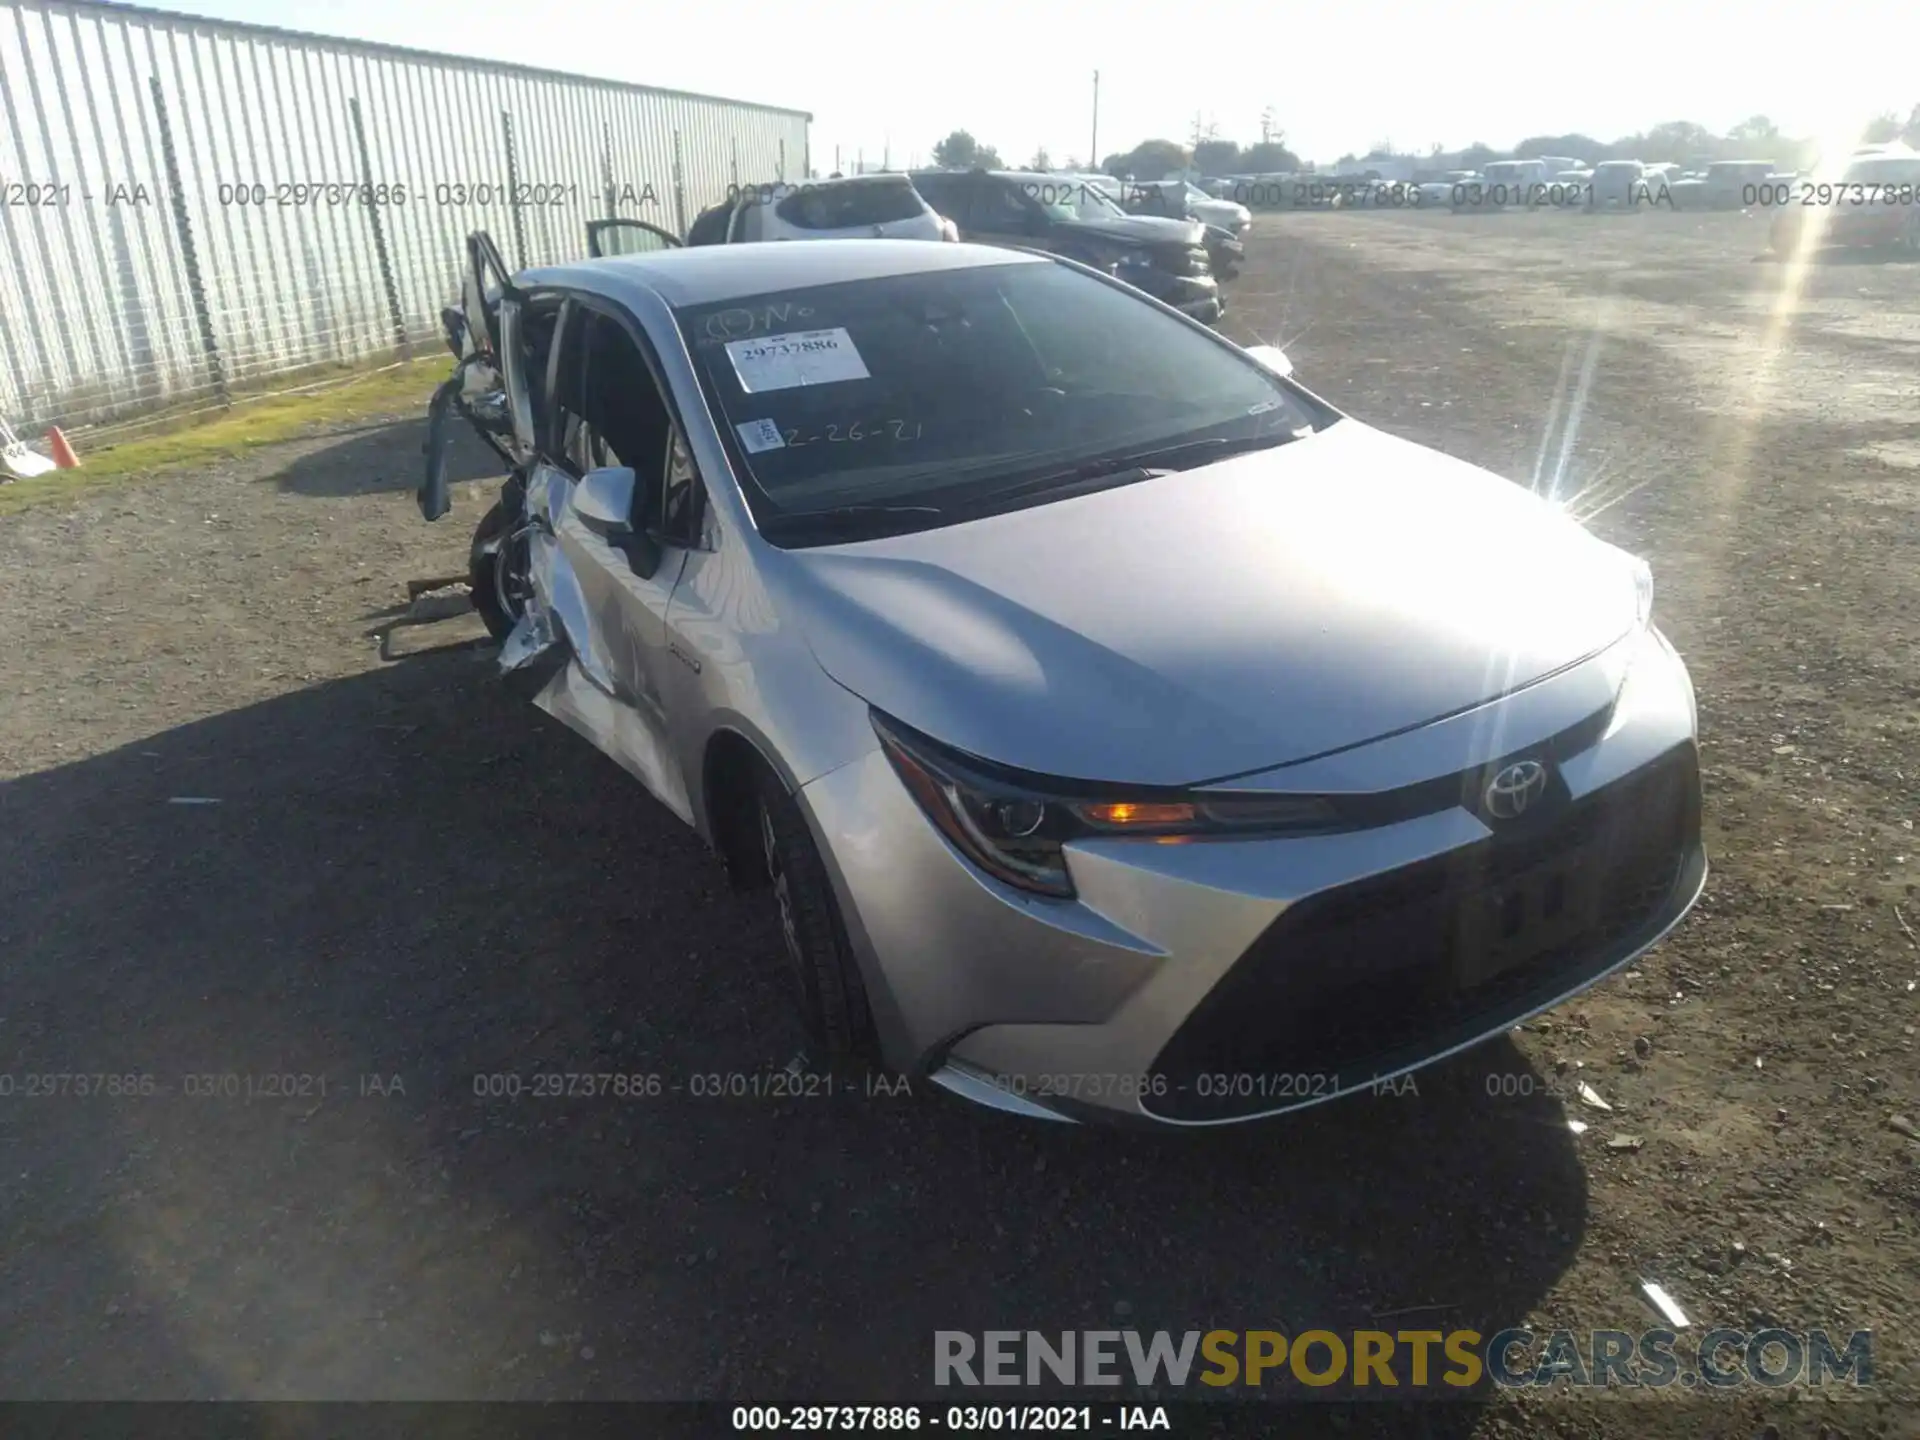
(189, 207)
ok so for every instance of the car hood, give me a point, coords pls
(1137, 230)
(1259, 611)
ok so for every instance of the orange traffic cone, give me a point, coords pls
(63, 455)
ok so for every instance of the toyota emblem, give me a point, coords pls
(1511, 792)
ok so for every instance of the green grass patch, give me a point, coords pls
(402, 391)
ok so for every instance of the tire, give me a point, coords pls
(833, 1002)
(482, 568)
(1910, 239)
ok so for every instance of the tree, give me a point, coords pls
(960, 151)
(1149, 160)
(1584, 148)
(1477, 155)
(1677, 140)
(1911, 134)
(1881, 129)
(1269, 157)
(1041, 161)
(1216, 157)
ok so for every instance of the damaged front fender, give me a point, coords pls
(556, 609)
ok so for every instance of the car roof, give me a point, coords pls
(872, 177)
(704, 274)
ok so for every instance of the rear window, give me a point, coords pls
(850, 207)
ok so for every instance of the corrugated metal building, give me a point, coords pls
(187, 203)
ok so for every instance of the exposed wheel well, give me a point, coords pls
(731, 784)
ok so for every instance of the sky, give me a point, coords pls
(1018, 74)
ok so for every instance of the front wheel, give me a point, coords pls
(497, 565)
(833, 1002)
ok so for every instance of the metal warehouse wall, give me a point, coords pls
(188, 203)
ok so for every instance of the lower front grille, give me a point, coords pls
(1366, 979)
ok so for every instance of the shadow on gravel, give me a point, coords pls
(385, 458)
(411, 898)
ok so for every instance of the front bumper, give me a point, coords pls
(1195, 295)
(1221, 981)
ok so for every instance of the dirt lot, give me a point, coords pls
(412, 878)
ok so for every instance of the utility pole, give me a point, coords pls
(1094, 150)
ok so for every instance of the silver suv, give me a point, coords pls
(865, 207)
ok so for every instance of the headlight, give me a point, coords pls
(1015, 829)
(1642, 594)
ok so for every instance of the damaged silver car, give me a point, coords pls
(1120, 730)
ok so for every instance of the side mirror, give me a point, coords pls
(1272, 357)
(604, 500)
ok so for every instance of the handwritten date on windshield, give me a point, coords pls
(898, 430)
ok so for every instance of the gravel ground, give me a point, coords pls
(410, 881)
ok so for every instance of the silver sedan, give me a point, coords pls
(1121, 730)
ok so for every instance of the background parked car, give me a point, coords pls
(864, 207)
(1227, 222)
(1439, 192)
(1166, 259)
(1501, 184)
(1617, 184)
(1182, 201)
(1660, 178)
(1726, 182)
(1875, 200)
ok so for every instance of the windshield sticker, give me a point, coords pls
(740, 323)
(758, 435)
(801, 357)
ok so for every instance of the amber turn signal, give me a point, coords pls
(1129, 814)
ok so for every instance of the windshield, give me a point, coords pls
(930, 389)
